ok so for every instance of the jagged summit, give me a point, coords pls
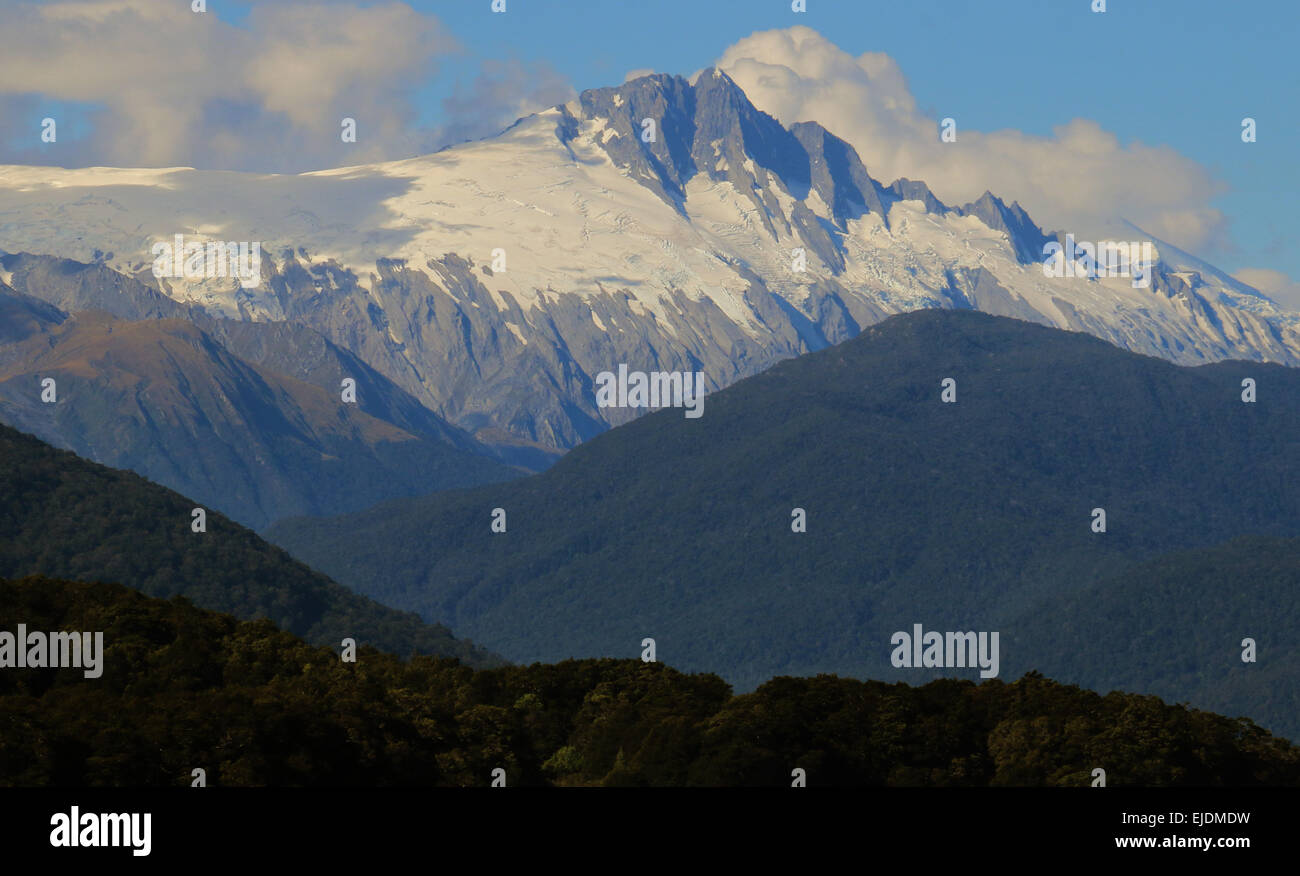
(1027, 237)
(711, 128)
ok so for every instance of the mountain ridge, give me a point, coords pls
(493, 280)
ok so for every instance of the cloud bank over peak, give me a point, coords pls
(155, 84)
(1080, 179)
(1275, 284)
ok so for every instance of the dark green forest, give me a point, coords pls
(967, 516)
(1175, 625)
(67, 517)
(184, 688)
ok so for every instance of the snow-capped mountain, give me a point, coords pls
(495, 279)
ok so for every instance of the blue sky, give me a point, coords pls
(1174, 73)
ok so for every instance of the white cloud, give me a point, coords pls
(1079, 179)
(1275, 284)
(502, 92)
(166, 86)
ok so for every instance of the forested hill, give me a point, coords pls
(67, 517)
(185, 689)
(961, 516)
(1175, 627)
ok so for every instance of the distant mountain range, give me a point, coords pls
(165, 398)
(661, 223)
(64, 516)
(976, 515)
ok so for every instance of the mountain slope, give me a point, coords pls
(253, 706)
(22, 316)
(1174, 627)
(288, 348)
(165, 399)
(67, 517)
(493, 281)
(957, 516)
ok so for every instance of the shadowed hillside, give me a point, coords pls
(169, 400)
(70, 518)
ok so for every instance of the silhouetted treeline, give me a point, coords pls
(183, 688)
